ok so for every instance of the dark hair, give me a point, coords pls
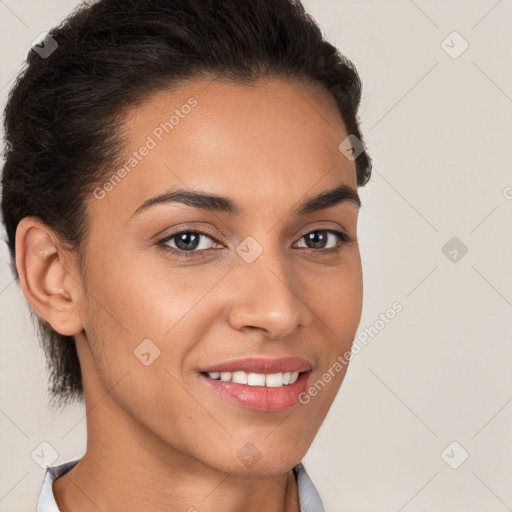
(63, 113)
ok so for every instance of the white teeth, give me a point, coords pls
(239, 377)
(274, 380)
(270, 380)
(256, 379)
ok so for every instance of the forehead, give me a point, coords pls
(265, 141)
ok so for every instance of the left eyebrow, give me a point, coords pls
(342, 193)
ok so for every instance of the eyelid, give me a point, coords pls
(332, 228)
(200, 232)
(190, 229)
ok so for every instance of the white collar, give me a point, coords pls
(308, 495)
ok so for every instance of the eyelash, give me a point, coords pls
(343, 238)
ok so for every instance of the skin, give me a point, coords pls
(157, 438)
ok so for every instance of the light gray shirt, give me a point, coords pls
(308, 495)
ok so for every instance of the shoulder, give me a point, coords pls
(309, 497)
(46, 502)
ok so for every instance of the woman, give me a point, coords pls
(180, 199)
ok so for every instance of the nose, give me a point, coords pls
(268, 298)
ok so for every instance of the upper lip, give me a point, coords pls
(261, 365)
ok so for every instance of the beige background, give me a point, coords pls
(439, 130)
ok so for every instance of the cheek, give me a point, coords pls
(146, 311)
(142, 295)
(339, 308)
(336, 297)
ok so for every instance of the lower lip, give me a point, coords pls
(261, 398)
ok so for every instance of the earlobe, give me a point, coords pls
(45, 277)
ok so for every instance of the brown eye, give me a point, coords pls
(186, 243)
(324, 239)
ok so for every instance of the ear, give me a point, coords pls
(48, 276)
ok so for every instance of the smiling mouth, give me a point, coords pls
(263, 392)
(269, 380)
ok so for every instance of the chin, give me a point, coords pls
(259, 458)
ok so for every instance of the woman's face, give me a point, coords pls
(265, 280)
